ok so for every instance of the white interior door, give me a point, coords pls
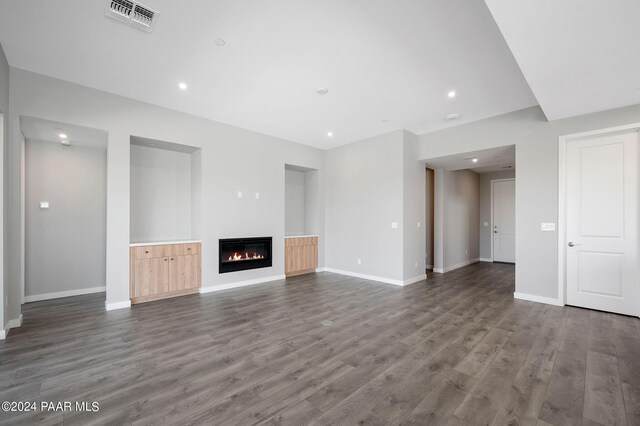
(504, 220)
(601, 249)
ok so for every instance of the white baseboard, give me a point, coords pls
(365, 276)
(117, 305)
(429, 266)
(453, 267)
(204, 290)
(14, 323)
(538, 299)
(321, 269)
(484, 259)
(415, 279)
(59, 294)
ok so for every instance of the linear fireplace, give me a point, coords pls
(239, 254)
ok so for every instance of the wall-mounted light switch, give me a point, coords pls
(257, 195)
(419, 224)
(485, 224)
(44, 205)
(359, 261)
(239, 194)
(547, 226)
(394, 225)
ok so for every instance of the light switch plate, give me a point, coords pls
(419, 224)
(44, 205)
(485, 223)
(239, 194)
(257, 195)
(394, 225)
(547, 226)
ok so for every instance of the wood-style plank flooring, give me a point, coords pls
(456, 349)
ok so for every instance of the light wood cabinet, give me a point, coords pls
(301, 255)
(165, 270)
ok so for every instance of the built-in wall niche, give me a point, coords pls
(166, 180)
(302, 204)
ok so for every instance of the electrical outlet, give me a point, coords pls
(359, 261)
(416, 263)
(394, 225)
(466, 252)
(419, 224)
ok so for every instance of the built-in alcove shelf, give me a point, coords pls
(165, 250)
(165, 191)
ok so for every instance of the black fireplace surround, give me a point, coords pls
(239, 254)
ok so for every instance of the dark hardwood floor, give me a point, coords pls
(457, 349)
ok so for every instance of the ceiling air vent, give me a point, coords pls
(132, 13)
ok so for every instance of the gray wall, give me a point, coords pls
(160, 194)
(461, 217)
(536, 142)
(13, 310)
(196, 195)
(312, 206)
(294, 202)
(413, 205)
(66, 244)
(485, 209)
(364, 195)
(233, 159)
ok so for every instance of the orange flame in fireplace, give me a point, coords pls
(246, 256)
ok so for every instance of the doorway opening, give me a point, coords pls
(460, 202)
(64, 204)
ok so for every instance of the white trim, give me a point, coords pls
(117, 305)
(365, 276)
(491, 228)
(14, 323)
(562, 196)
(210, 289)
(537, 299)
(320, 269)
(456, 266)
(59, 294)
(414, 279)
(484, 259)
(429, 267)
(401, 283)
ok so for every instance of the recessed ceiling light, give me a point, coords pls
(452, 117)
(474, 160)
(62, 135)
(452, 94)
(183, 86)
(330, 134)
(322, 91)
(220, 42)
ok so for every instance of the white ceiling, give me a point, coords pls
(387, 64)
(47, 131)
(579, 56)
(489, 160)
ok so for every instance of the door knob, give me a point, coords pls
(572, 244)
(495, 232)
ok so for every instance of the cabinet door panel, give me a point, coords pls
(151, 276)
(183, 272)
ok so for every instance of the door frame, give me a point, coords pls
(491, 229)
(562, 198)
